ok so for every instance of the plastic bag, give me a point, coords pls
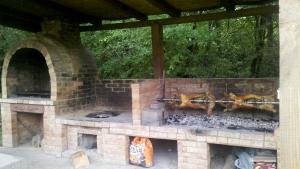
(141, 152)
(244, 161)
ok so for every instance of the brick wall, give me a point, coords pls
(143, 95)
(193, 155)
(115, 94)
(77, 79)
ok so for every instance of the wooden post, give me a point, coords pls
(289, 27)
(157, 50)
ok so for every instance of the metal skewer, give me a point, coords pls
(222, 101)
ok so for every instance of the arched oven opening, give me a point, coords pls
(28, 75)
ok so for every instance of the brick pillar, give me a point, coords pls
(136, 104)
(115, 148)
(144, 94)
(55, 135)
(72, 138)
(193, 155)
(9, 126)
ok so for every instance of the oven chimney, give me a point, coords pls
(61, 29)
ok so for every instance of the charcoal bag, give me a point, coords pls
(141, 152)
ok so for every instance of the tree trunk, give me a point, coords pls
(260, 35)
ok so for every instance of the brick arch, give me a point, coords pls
(40, 46)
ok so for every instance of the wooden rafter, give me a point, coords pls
(127, 9)
(254, 2)
(187, 19)
(228, 4)
(20, 15)
(165, 6)
(13, 22)
(47, 9)
(19, 20)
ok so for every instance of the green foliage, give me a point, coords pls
(121, 53)
(208, 49)
(209, 52)
(8, 38)
(224, 48)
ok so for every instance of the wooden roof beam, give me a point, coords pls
(123, 7)
(47, 9)
(165, 6)
(257, 2)
(20, 15)
(188, 19)
(13, 22)
(20, 20)
(228, 4)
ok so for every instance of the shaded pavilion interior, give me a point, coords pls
(96, 15)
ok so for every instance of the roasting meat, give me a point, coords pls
(248, 102)
(204, 101)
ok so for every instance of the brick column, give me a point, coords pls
(55, 135)
(193, 155)
(9, 126)
(115, 148)
(72, 137)
(143, 95)
(136, 105)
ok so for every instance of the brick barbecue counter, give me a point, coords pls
(193, 148)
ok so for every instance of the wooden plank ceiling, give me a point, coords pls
(27, 14)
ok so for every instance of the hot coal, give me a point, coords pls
(222, 120)
(104, 114)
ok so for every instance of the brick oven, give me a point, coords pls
(42, 77)
(28, 75)
(50, 91)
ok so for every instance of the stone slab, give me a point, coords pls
(12, 162)
(27, 108)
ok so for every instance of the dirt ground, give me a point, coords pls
(36, 159)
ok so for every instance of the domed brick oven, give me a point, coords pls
(42, 77)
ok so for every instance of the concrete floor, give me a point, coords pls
(11, 162)
(36, 159)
